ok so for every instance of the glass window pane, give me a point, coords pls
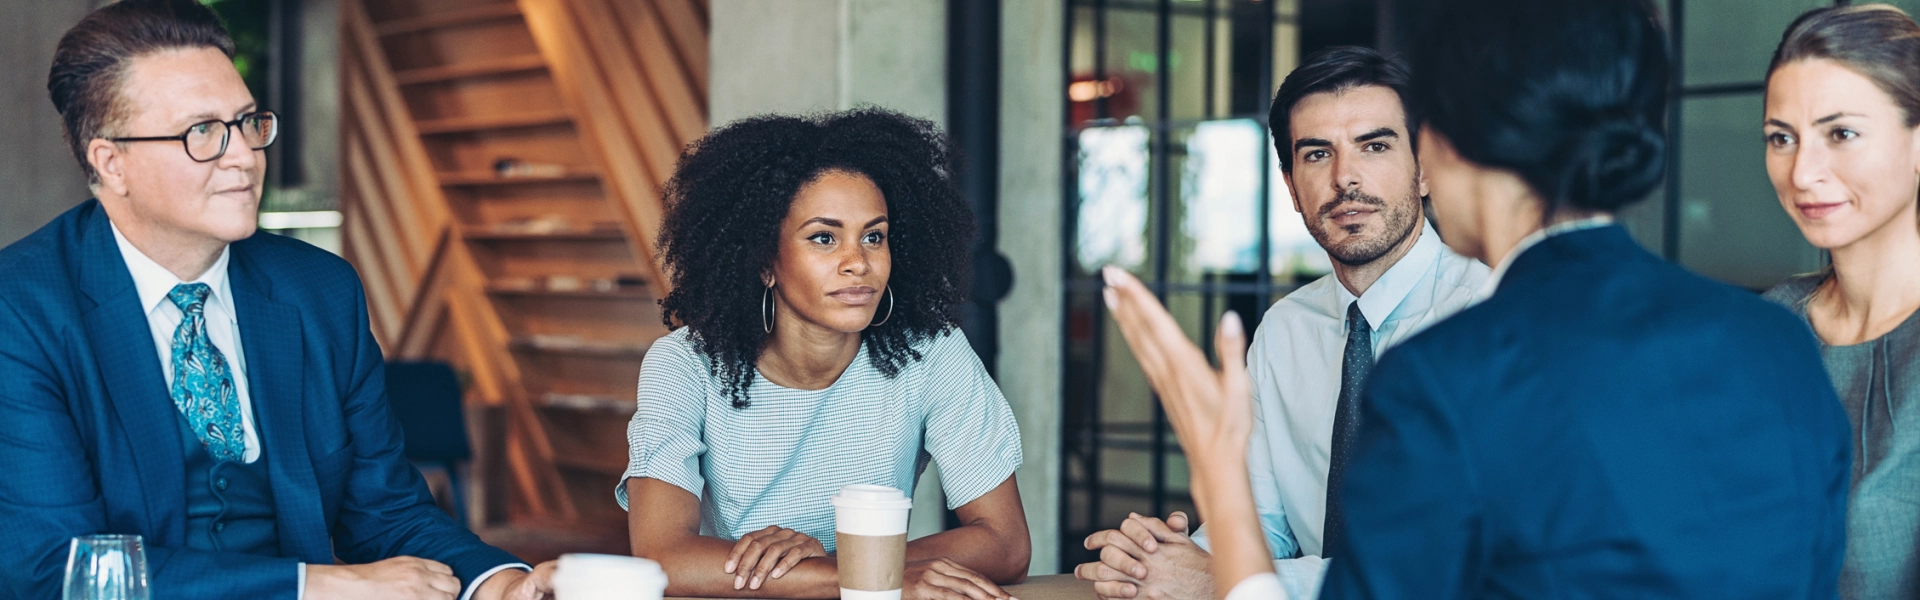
(1131, 62)
(1732, 227)
(1187, 62)
(1730, 41)
(1080, 57)
(1111, 222)
(1647, 220)
(1219, 200)
(1286, 49)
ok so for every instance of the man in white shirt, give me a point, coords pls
(1346, 150)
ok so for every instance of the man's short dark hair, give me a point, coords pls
(90, 64)
(1335, 69)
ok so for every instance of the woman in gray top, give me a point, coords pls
(1843, 150)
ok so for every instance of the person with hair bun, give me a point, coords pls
(818, 265)
(1604, 424)
(1843, 150)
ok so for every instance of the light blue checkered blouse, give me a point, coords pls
(778, 461)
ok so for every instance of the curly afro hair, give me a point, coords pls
(732, 189)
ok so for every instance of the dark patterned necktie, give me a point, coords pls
(202, 386)
(1354, 365)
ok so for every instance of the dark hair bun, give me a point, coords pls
(1609, 164)
(1571, 95)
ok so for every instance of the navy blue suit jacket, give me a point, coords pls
(90, 442)
(1606, 425)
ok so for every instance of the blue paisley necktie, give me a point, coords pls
(202, 387)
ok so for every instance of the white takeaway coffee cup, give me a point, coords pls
(608, 577)
(870, 529)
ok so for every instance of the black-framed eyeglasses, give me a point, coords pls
(206, 141)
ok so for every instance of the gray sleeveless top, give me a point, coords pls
(1879, 382)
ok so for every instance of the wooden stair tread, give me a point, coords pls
(588, 402)
(511, 64)
(560, 344)
(614, 294)
(489, 178)
(558, 236)
(615, 466)
(469, 16)
(472, 124)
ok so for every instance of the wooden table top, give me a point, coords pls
(1043, 587)
(1053, 587)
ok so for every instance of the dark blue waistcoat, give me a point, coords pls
(229, 504)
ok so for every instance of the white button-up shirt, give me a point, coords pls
(153, 282)
(1295, 363)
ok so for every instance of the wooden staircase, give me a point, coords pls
(502, 163)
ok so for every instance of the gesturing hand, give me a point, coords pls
(768, 554)
(1212, 411)
(942, 579)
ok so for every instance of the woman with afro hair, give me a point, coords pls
(817, 265)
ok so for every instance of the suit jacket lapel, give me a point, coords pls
(270, 332)
(118, 332)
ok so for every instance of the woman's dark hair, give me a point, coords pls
(733, 188)
(1335, 69)
(1571, 95)
(90, 64)
(1878, 41)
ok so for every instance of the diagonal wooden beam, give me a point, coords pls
(660, 71)
(686, 24)
(633, 169)
(476, 324)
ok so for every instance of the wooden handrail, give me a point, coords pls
(636, 113)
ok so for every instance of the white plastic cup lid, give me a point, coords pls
(871, 497)
(593, 570)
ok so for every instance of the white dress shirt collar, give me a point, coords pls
(154, 282)
(1390, 290)
(1532, 239)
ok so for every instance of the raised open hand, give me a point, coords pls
(1211, 410)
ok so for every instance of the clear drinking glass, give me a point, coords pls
(106, 567)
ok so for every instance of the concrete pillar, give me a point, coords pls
(796, 56)
(1032, 89)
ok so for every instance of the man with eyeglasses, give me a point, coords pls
(168, 371)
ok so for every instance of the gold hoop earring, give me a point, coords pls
(883, 320)
(766, 310)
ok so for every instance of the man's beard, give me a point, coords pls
(1397, 223)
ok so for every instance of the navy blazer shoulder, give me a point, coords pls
(1606, 424)
(92, 444)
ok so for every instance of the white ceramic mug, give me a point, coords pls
(608, 577)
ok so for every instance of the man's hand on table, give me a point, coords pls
(398, 578)
(1148, 558)
(942, 579)
(515, 584)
